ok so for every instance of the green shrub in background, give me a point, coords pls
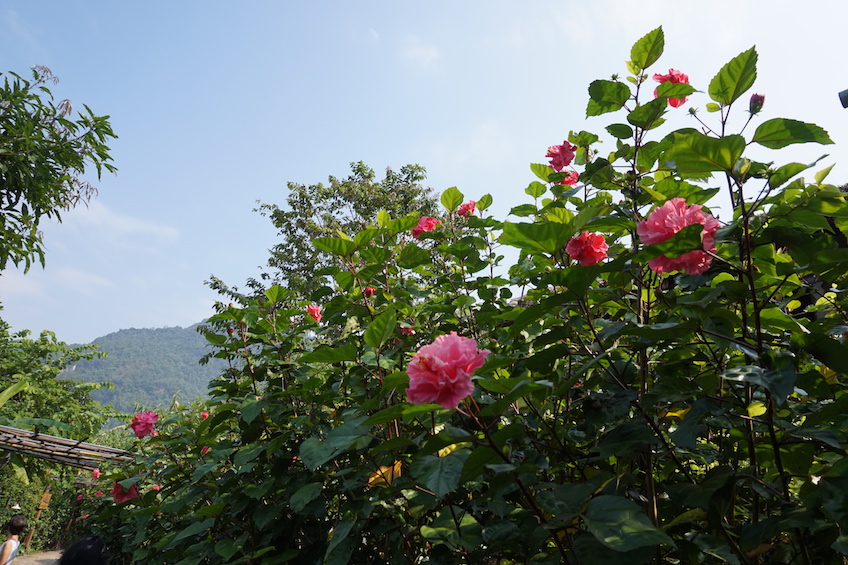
(657, 385)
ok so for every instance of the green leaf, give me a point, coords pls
(541, 171)
(276, 293)
(440, 475)
(606, 96)
(335, 245)
(780, 132)
(340, 532)
(383, 218)
(381, 329)
(19, 386)
(713, 107)
(304, 495)
(670, 89)
(620, 524)
(544, 237)
(451, 199)
(649, 114)
(695, 153)
(735, 78)
(228, 547)
(194, 529)
(330, 354)
(484, 202)
(621, 131)
(536, 189)
(314, 453)
(648, 49)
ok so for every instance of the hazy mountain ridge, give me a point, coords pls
(149, 366)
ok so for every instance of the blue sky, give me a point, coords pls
(219, 104)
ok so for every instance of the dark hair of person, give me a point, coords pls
(17, 524)
(90, 550)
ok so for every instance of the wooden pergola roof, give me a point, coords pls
(60, 450)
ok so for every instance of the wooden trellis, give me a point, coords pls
(60, 450)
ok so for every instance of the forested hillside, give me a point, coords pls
(149, 366)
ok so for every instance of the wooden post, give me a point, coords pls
(42, 505)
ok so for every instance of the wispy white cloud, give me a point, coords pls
(13, 28)
(485, 143)
(419, 52)
(100, 217)
(372, 33)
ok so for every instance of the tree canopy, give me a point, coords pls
(44, 156)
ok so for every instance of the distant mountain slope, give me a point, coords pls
(149, 366)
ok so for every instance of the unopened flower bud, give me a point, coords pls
(756, 104)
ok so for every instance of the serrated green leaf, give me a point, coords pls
(484, 202)
(536, 189)
(696, 153)
(383, 218)
(330, 354)
(335, 245)
(648, 115)
(440, 475)
(541, 171)
(606, 96)
(647, 49)
(545, 237)
(451, 199)
(734, 78)
(780, 132)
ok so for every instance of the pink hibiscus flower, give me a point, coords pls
(142, 423)
(425, 223)
(587, 248)
(561, 156)
(667, 220)
(673, 77)
(121, 494)
(441, 372)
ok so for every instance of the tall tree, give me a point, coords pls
(44, 155)
(341, 206)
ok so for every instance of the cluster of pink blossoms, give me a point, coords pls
(441, 372)
(667, 220)
(142, 423)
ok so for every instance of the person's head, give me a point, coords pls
(90, 550)
(17, 524)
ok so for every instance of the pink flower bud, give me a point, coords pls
(368, 291)
(756, 103)
(204, 415)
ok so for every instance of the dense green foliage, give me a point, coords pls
(149, 367)
(44, 154)
(628, 412)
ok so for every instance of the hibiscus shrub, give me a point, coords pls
(650, 382)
